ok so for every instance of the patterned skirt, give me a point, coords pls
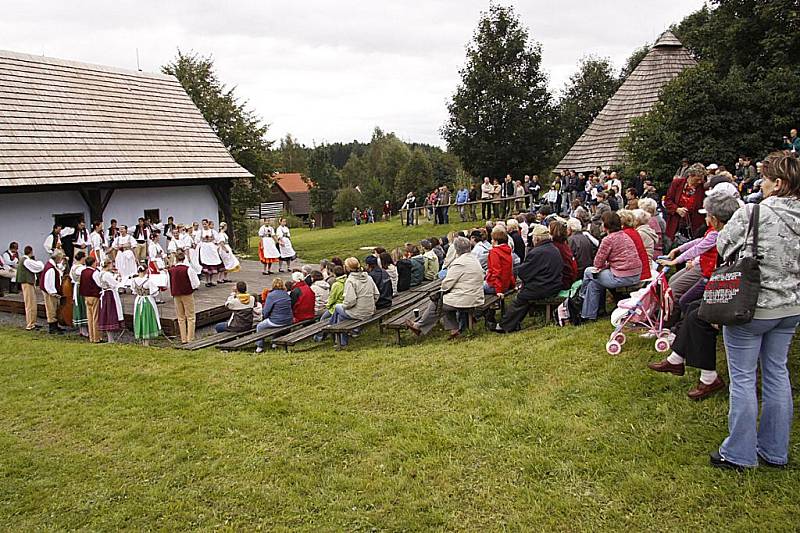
(79, 316)
(145, 319)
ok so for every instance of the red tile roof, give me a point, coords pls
(292, 182)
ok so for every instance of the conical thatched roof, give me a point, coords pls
(599, 144)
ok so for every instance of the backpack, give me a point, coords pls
(569, 311)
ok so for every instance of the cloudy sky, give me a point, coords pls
(330, 71)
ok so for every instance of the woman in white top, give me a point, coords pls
(268, 252)
(229, 261)
(194, 248)
(125, 261)
(98, 243)
(146, 319)
(111, 318)
(209, 253)
(79, 319)
(285, 245)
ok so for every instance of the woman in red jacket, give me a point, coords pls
(683, 202)
(500, 273)
(303, 299)
(558, 231)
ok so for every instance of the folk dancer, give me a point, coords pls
(210, 260)
(229, 261)
(288, 254)
(81, 241)
(183, 281)
(141, 233)
(53, 241)
(89, 290)
(79, 316)
(50, 285)
(125, 261)
(111, 318)
(194, 252)
(98, 243)
(146, 320)
(27, 268)
(157, 265)
(268, 252)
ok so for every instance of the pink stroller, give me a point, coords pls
(647, 309)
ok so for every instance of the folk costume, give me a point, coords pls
(210, 260)
(194, 251)
(285, 245)
(26, 278)
(125, 261)
(268, 252)
(90, 292)
(146, 319)
(111, 318)
(79, 314)
(50, 283)
(229, 261)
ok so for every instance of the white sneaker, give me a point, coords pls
(259, 349)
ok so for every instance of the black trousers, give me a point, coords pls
(486, 211)
(696, 340)
(515, 314)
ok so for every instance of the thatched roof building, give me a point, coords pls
(600, 143)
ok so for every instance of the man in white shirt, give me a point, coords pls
(82, 241)
(27, 268)
(53, 240)
(50, 285)
(7, 272)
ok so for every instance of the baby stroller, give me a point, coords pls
(648, 308)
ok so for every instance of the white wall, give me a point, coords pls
(28, 218)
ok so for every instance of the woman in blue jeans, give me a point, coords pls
(767, 337)
(276, 311)
(616, 264)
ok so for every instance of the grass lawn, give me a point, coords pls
(539, 430)
(345, 239)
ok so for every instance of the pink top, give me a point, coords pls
(618, 252)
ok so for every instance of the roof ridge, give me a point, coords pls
(47, 60)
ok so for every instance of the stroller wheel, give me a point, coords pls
(662, 345)
(663, 334)
(620, 338)
(613, 347)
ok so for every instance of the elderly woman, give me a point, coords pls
(616, 264)
(628, 220)
(655, 222)
(360, 296)
(558, 233)
(683, 202)
(645, 231)
(583, 245)
(765, 340)
(462, 290)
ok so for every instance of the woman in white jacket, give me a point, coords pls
(360, 296)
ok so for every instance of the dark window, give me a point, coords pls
(68, 220)
(153, 215)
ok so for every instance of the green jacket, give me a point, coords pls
(337, 293)
(431, 265)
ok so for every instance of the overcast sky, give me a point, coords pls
(329, 71)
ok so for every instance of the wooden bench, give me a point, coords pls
(249, 339)
(212, 340)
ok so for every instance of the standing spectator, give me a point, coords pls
(764, 341)
(487, 191)
(519, 197)
(471, 208)
(613, 181)
(356, 215)
(462, 197)
(792, 142)
(535, 189)
(507, 192)
(387, 211)
(683, 170)
(497, 191)
(411, 205)
(683, 202)
(637, 183)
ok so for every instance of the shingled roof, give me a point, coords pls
(599, 144)
(64, 122)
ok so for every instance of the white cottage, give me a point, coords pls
(81, 141)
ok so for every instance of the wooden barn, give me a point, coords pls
(80, 141)
(599, 146)
(294, 191)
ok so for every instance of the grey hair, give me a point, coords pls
(574, 225)
(721, 206)
(642, 216)
(648, 204)
(58, 255)
(462, 245)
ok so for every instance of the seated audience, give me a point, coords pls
(558, 233)
(417, 265)
(276, 311)
(404, 269)
(303, 298)
(244, 310)
(628, 222)
(656, 223)
(540, 275)
(322, 290)
(616, 264)
(360, 296)
(515, 238)
(462, 290)
(387, 263)
(646, 233)
(583, 245)
(430, 261)
(382, 281)
(480, 247)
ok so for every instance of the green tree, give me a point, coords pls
(740, 100)
(501, 115)
(346, 200)
(239, 129)
(325, 181)
(293, 156)
(417, 176)
(584, 96)
(355, 171)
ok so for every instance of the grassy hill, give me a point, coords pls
(539, 430)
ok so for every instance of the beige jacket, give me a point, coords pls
(360, 295)
(648, 239)
(463, 284)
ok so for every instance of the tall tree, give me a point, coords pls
(741, 98)
(416, 176)
(355, 171)
(584, 96)
(239, 129)
(501, 115)
(325, 182)
(293, 156)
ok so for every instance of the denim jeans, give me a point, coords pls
(325, 317)
(266, 324)
(594, 289)
(339, 314)
(221, 327)
(766, 341)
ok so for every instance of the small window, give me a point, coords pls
(68, 220)
(153, 215)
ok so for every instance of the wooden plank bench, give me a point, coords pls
(212, 340)
(249, 339)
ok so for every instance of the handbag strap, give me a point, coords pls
(753, 227)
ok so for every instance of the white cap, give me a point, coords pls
(712, 166)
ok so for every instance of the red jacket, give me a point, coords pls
(500, 273)
(640, 250)
(303, 299)
(570, 272)
(671, 204)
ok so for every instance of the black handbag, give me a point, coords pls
(732, 291)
